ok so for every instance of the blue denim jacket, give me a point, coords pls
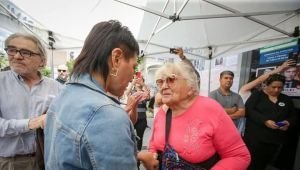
(85, 129)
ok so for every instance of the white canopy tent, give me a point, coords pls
(204, 28)
(196, 25)
(214, 28)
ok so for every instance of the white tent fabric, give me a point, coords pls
(206, 23)
(76, 18)
(227, 27)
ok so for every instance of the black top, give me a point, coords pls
(61, 81)
(260, 109)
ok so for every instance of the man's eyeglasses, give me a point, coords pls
(170, 80)
(24, 53)
(61, 70)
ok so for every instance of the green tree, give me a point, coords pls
(140, 60)
(46, 72)
(70, 65)
(3, 61)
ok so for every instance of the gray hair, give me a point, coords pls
(182, 69)
(35, 40)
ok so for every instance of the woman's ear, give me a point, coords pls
(191, 92)
(116, 56)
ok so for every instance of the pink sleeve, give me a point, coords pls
(230, 146)
(151, 146)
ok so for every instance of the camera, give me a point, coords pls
(173, 51)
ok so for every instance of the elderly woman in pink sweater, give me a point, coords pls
(192, 131)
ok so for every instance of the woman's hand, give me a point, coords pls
(286, 64)
(271, 124)
(286, 126)
(149, 160)
(131, 106)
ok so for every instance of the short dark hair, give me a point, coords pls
(226, 72)
(97, 48)
(275, 77)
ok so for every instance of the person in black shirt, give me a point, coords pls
(63, 74)
(138, 87)
(269, 115)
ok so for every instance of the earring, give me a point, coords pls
(114, 72)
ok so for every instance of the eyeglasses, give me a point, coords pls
(24, 53)
(61, 70)
(170, 80)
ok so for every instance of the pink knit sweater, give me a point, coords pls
(199, 132)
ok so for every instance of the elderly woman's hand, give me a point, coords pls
(149, 160)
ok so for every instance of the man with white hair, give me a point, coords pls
(63, 74)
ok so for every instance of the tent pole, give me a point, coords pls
(163, 27)
(209, 76)
(173, 18)
(248, 14)
(23, 24)
(250, 18)
(145, 9)
(166, 47)
(174, 6)
(157, 22)
(210, 53)
(182, 7)
(261, 32)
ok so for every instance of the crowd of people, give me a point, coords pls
(95, 116)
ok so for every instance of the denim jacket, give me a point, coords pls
(86, 129)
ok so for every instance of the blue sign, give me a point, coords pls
(277, 56)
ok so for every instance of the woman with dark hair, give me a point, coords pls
(86, 127)
(269, 115)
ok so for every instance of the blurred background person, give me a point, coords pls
(63, 74)
(290, 75)
(269, 115)
(298, 73)
(94, 129)
(157, 103)
(138, 87)
(198, 132)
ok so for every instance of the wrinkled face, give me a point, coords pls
(173, 89)
(23, 56)
(275, 88)
(118, 84)
(290, 73)
(226, 81)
